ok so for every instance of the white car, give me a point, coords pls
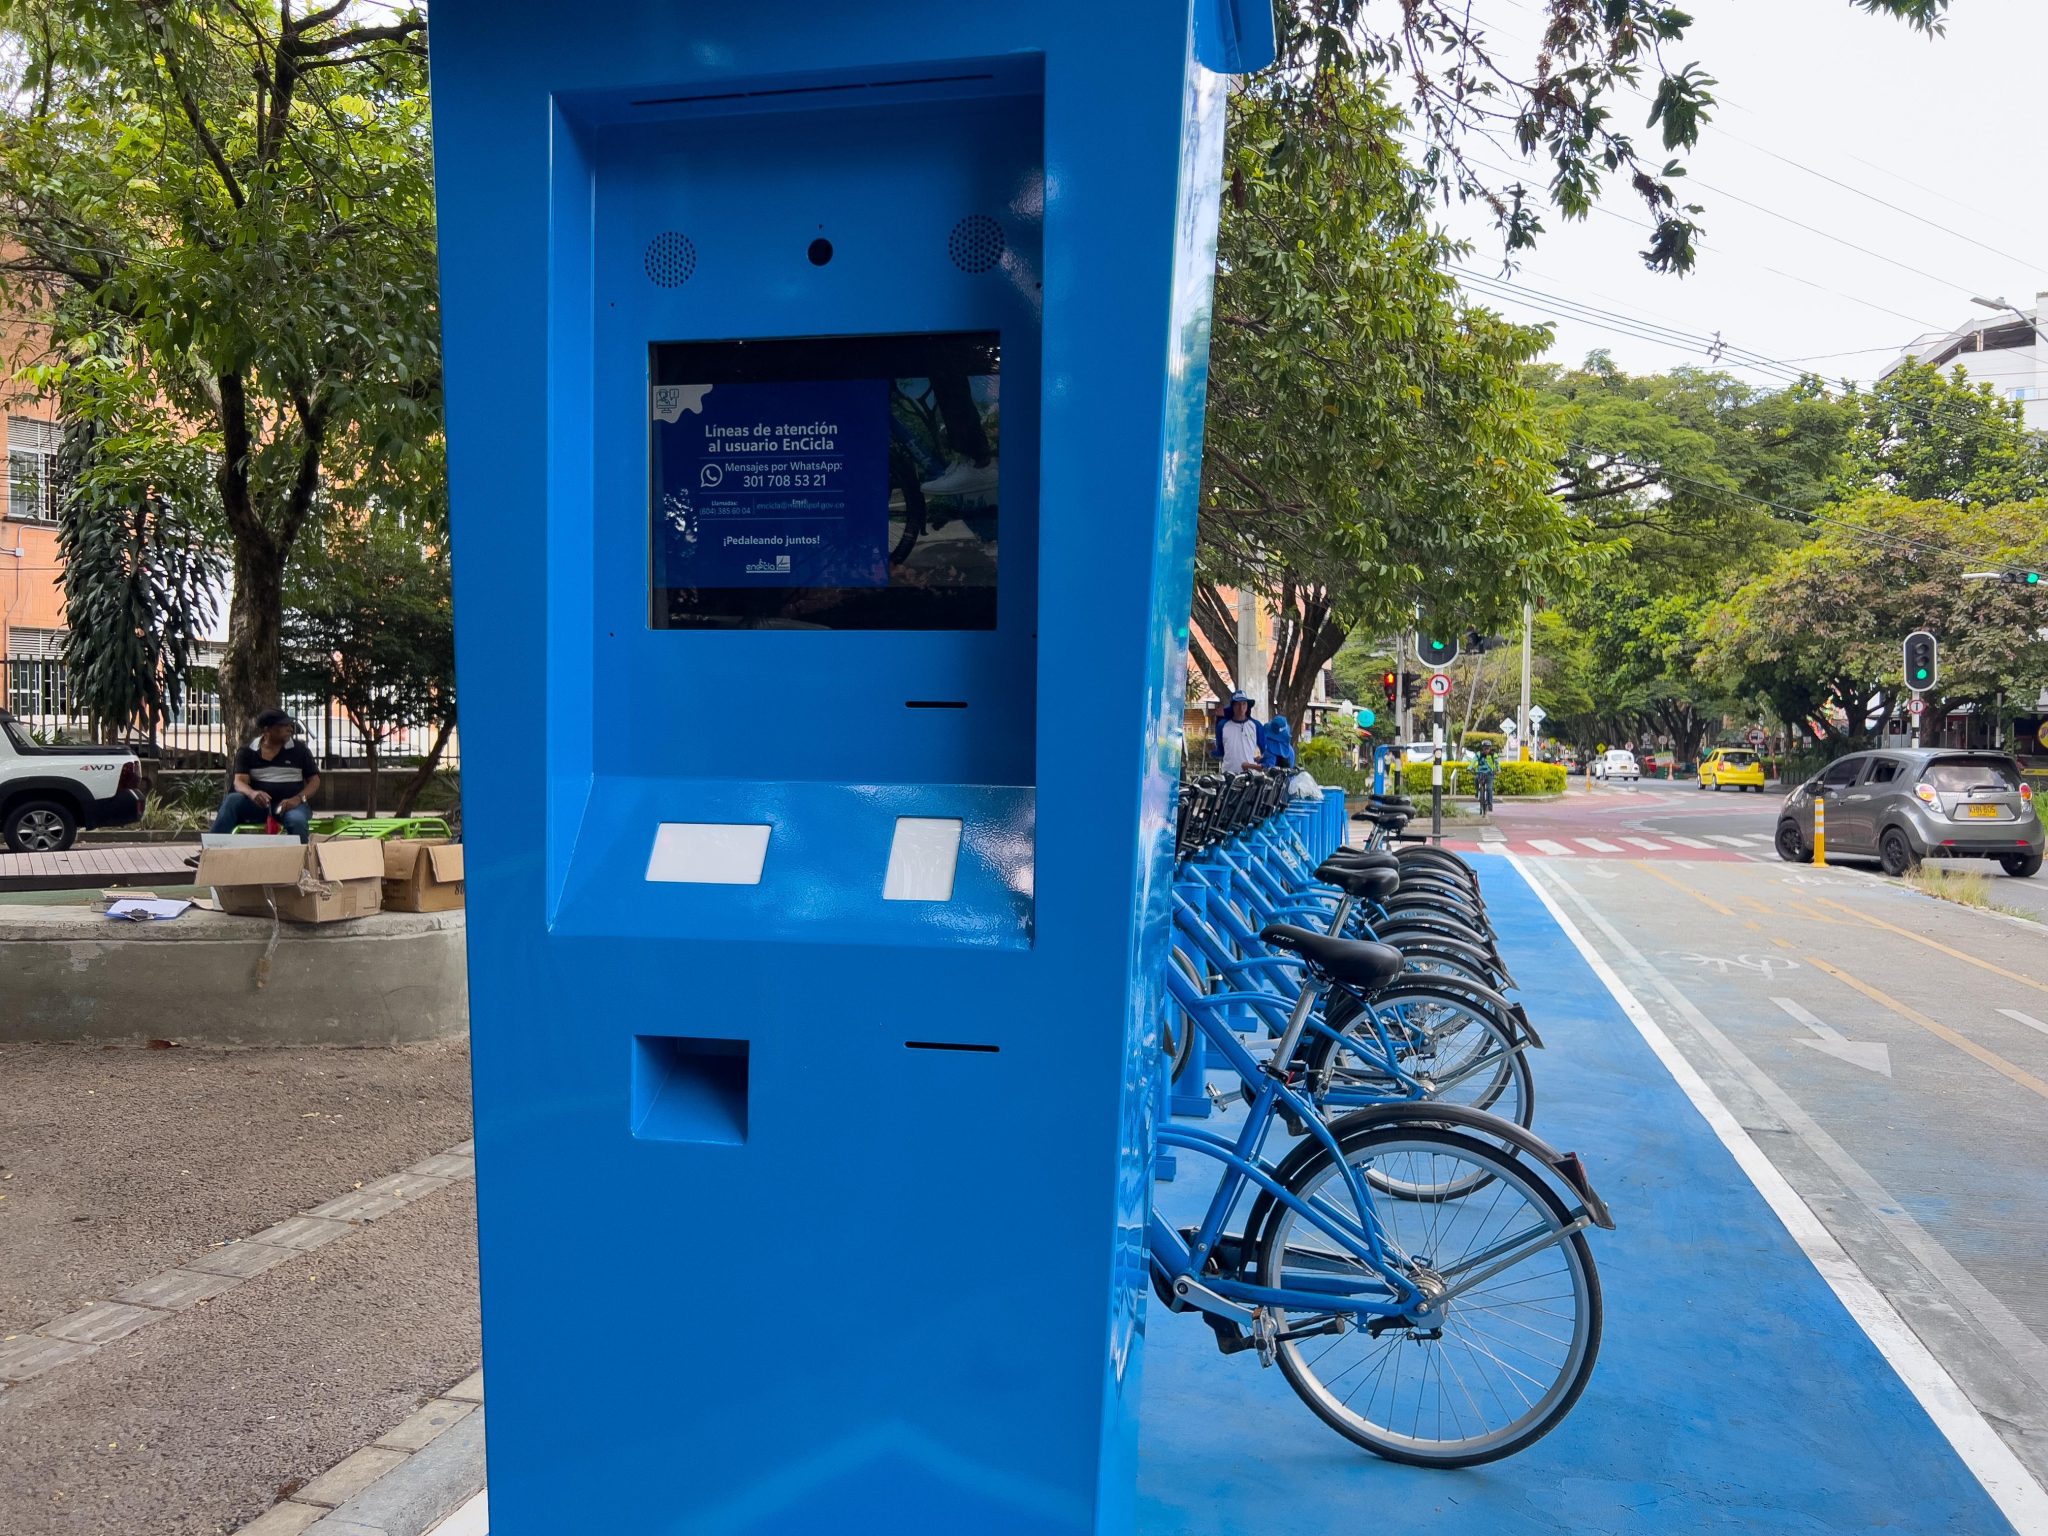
(48, 793)
(1616, 764)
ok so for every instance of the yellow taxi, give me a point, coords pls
(1735, 767)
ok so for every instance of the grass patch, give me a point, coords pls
(1964, 887)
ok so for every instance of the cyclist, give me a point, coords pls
(1483, 771)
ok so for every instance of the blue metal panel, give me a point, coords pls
(870, 1294)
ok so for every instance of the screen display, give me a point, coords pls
(844, 482)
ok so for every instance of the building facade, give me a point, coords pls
(2004, 349)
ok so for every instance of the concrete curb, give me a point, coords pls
(418, 1473)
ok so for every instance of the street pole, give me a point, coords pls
(1436, 772)
(1400, 700)
(1522, 718)
(1251, 676)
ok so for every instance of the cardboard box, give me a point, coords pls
(319, 882)
(422, 874)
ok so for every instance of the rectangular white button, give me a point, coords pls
(708, 853)
(922, 857)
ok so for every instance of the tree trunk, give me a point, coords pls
(370, 756)
(409, 794)
(249, 667)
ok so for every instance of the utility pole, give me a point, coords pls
(1251, 675)
(1522, 715)
(1400, 702)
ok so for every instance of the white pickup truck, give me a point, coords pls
(48, 793)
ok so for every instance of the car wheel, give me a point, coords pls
(1896, 854)
(1790, 848)
(40, 826)
(2022, 866)
(1717, 786)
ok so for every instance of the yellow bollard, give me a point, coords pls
(1820, 828)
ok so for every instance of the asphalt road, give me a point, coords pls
(121, 1163)
(1888, 1051)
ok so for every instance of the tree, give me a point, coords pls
(1568, 102)
(369, 624)
(1370, 444)
(1925, 436)
(244, 193)
(141, 573)
(1819, 633)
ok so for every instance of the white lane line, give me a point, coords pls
(2024, 1018)
(1732, 842)
(1597, 845)
(1989, 1458)
(1687, 842)
(1555, 850)
(1644, 842)
(1755, 837)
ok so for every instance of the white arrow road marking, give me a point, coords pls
(1555, 850)
(1871, 1055)
(1598, 845)
(2024, 1018)
(1687, 842)
(1644, 842)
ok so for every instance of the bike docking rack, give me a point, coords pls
(1358, 1000)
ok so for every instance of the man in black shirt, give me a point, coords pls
(275, 777)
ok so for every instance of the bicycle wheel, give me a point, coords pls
(1176, 1025)
(1506, 1359)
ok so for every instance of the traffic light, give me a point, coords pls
(2022, 578)
(1436, 650)
(1923, 663)
(1389, 682)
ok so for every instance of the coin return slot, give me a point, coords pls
(949, 1045)
(922, 857)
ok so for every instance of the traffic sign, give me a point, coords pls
(1537, 715)
(1509, 728)
(1440, 685)
(1756, 735)
(1918, 706)
(1365, 719)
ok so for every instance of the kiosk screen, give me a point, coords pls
(826, 483)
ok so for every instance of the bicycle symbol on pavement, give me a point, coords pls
(1748, 965)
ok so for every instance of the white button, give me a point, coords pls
(922, 857)
(708, 853)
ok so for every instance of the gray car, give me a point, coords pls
(1902, 806)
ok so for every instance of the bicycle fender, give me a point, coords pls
(1513, 1015)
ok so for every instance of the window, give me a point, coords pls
(1842, 774)
(2023, 392)
(1960, 775)
(32, 469)
(1884, 770)
(38, 683)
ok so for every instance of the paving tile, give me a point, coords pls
(242, 1260)
(283, 1520)
(101, 1322)
(301, 1233)
(176, 1289)
(378, 1198)
(464, 1149)
(445, 1165)
(349, 1476)
(30, 1355)
(419, 1428)
(470, 1389)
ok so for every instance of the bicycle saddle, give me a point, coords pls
(1366, 883)
(1365, 858)
(1354, 962)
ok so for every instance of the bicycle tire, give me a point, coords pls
(1301, 1360)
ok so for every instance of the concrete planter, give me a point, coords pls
(211, 979)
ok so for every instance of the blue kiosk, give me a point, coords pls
(825, 384)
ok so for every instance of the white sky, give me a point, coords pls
(1945, 128)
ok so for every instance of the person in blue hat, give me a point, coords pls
(1276, 741)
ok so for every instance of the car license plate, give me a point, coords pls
(1987, 811)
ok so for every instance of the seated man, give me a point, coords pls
(274, 777)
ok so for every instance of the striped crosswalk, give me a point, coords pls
(1626, 845)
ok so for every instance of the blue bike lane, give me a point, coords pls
(1734, 1391)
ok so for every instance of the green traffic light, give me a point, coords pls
(2033, 578)
(1921, 672)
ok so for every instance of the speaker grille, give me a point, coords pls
(976, 243)
(670, 259)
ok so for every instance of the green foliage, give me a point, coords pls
(370, 625)
(1572, 102)
(1819, 631)
(1369, 442)
(244, 195)
(1926, 436)
(141, 571)
(1529, 779)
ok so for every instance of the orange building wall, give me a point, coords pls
(32, 584)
